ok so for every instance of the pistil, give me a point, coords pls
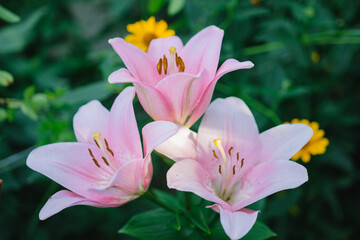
(172, 59)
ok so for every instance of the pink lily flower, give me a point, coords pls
(106, 167)
(229, 163)
(174, 82)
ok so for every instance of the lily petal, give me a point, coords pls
(190, 176)
(124, 138)
(68, 164)
(90, 118)
(121, 76)
(153, 102)
(284, 141)
(141, 66)
(231, 120)
(268, 178)
(180, 146)
(156, 133)
(160, 47)
(202, 51)
(232, 65)
(182, 91)
(64, 199)
(237, 224)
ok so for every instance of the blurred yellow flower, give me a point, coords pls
(316, 145)
(315, 57)
(142, 32)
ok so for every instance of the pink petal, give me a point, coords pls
(180, 146)
(190, 176)
(121, 76)
(232, 65)
(202, 51)
(124, 138)
(160, 46)
(283, 141)
(156, 133)
(91, 117)
(64, 199)
(231, 120)
(68, 164)
(237, 224)
(183, 92)
(268, 178)
(153, 102)
(141, 66)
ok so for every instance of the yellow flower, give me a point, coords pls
(143, 32)
(316, 145)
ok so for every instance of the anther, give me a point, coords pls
(181, 64)
(230, 150)
(165, 64)
(242, 163)
(176, 60)
(215, 154)
(159, 66)
(93, 158)
(96, 143)
(105, 161)
(220, 169)
(234, 170)
(107, 147)
(237, 156)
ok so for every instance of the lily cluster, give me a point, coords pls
(227, 162)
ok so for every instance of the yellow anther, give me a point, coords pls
(217, 143)
(165, 62)
(159, 66)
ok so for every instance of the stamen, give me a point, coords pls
(159, 66)
(242, 163)
(96, 143)
(234, 170)
(220, 169)
(165, 64)
(181, 64)
(105, 161)
(176, 60)
(215, 154)
(93, 158)
(237, 156)
(217, 143)
(107, 147)
(172, 64)
(230, 150)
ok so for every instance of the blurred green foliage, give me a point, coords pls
(306, 56)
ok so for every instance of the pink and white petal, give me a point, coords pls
(232, 65)
(202, 51)
(124, 139)
(236, 224)
(284, 141)
(64, 199)
(268, 178)
(142, 67)
(68, 164)
(183, 91)
(180, 146)
(155, 133)
(232, 121)
(121, 76)
(160, 47)
(190, 176)
(154, 103)
(90, 118)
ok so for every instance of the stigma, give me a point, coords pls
(175, 61)
(218, 144)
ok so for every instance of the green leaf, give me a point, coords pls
(8, 16)
(259, 232)
(175, 6)
(28, 93)
(154, 225)
(5, 79)
(15, 38)
(155, 5)
(168, 199)
(3, 114)
(249, 13)
(196, 216)
(29, 111)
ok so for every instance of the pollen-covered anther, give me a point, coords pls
(180, 63)
(159, 66)
(165, 62)
(230, 149)
(220, 169)
(93, 158)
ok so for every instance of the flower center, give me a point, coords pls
(105, 149)
(174, 60)
(229, 167)
(148, 38)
